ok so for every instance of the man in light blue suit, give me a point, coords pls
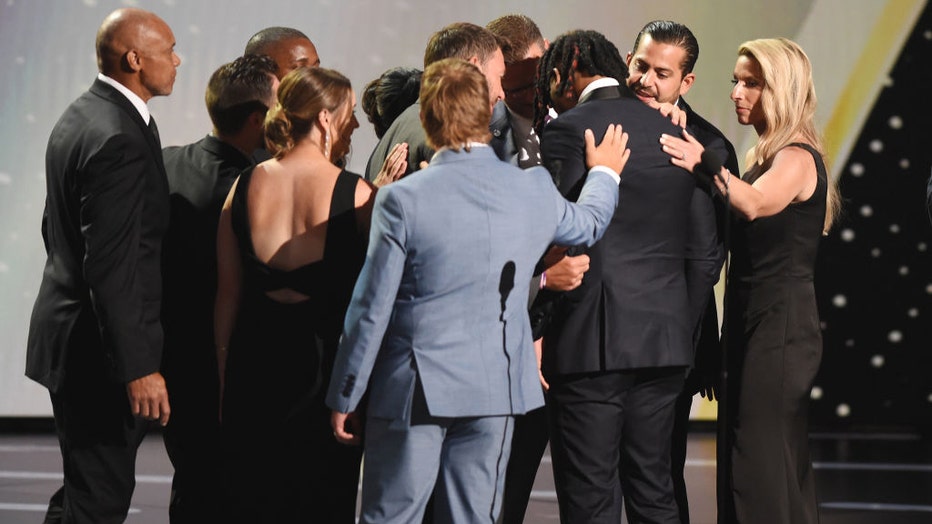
(433, 331)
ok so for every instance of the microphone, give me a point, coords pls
(506, 283)
(711, 166)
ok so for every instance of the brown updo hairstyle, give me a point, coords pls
(455, 106)
(302, 95)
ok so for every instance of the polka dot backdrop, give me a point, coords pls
(874, 274)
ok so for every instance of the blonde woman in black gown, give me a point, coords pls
(782, 206)
(290, 245)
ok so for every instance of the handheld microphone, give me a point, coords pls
(711, 166)
(506, 283)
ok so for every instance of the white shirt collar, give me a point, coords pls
(470, 144)
(134, 99)
(605, 81)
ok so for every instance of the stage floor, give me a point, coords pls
(862, 478)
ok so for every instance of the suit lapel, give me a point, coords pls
(109, 93)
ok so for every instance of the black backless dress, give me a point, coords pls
(283, 463)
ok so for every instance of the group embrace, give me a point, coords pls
(530, 258)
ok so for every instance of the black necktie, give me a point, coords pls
(155, 130)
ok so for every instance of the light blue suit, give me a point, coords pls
(426, 335)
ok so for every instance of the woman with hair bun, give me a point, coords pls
(290, 245)
(782, 206)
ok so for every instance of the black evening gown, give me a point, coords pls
(774, 346)
(282, 461)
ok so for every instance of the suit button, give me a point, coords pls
(348, 385)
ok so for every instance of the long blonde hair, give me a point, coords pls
(788, 100)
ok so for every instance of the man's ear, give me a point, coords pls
(474, 60)
(628, 59)
(257, 119)
(686, 83)
(132, 61)
(555, 77)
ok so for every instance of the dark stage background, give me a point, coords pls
(873, 278)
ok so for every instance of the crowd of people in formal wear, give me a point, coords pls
(529, 258)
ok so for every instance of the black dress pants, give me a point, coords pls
(98, 438)
(528, 443)
(192, 437)
(599, 421)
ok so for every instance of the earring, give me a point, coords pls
(327, 145)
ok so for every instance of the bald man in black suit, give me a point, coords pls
(95, 338)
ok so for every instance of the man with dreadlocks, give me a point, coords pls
(617, 347)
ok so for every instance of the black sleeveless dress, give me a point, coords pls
(284, 464)
(774, 350)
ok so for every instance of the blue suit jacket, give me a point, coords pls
(428, 304)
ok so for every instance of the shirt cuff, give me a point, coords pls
(608, 171)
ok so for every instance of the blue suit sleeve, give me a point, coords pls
(371, 307)
(585, 221)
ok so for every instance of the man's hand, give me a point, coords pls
(346, 428)
(612, 152)
(564, 273)
(539, 352)
(675, 114)
(148, 398)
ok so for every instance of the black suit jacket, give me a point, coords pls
(707, 199)
(405, 128)
(632, 309)
(199, 178)
(106, 212)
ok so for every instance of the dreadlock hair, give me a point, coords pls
(580, 50)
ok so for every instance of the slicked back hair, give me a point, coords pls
(579, 50)
(672, 33)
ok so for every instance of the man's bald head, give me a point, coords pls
(289, 48)
(136, 48)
